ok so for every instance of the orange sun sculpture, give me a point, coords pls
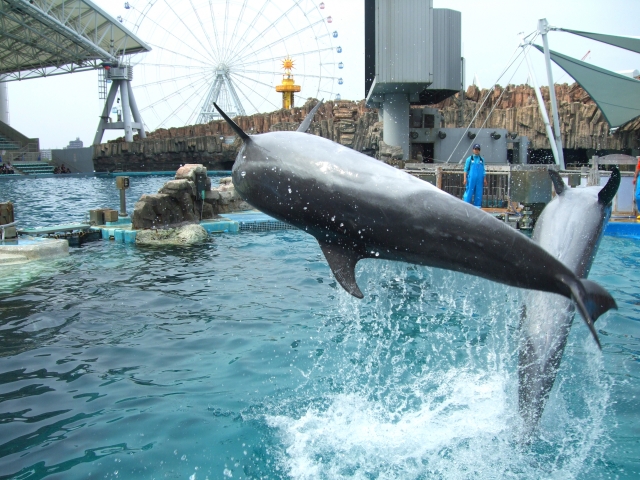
(288, 86)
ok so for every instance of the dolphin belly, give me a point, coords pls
(570, 228)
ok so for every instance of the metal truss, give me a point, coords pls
(40, 38)
(222, 88)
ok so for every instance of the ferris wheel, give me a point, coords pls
(230, 52)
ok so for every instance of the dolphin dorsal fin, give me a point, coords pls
(342, 262)
(605, 196)
(304, 126)
(558, 183)
(232, 124)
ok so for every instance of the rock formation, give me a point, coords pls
(185, 235)
(177, 203)
(515, 108)
(348, 123)
(352, 124)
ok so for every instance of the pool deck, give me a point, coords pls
(121, 231)
(253, 220)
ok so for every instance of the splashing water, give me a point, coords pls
(425, 386)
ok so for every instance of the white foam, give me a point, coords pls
(454, 430)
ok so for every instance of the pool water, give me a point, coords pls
(242, 358)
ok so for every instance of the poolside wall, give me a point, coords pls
(78, 160)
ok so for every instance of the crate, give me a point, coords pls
(110, 215)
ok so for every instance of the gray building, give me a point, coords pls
(77, 143)
(412, 57)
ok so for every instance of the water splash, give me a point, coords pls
(419, 380)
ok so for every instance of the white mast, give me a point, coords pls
(543, 109)
(543, 28)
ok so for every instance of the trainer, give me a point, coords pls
(474, 177)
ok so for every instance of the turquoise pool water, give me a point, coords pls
(242, 358)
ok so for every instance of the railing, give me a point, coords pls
(7, 225)
(495, 194)
(26, 154)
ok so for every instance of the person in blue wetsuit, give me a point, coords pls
(474, 178)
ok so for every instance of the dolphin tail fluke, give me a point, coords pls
(599, 301)
(232, 124)
(611, 188)
(558, 183)
(592, 301)
(304, 126)
(342, 262)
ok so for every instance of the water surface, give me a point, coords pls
(242, 358)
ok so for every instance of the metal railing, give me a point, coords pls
(494, 195)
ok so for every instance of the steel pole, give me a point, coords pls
(543, 108)
(134, 110)
(543, 28)
(105, 112)
(126, 111)
(123, 203)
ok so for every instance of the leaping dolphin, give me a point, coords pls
(570, 228)
(358, 207)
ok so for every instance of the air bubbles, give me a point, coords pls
(243, 174)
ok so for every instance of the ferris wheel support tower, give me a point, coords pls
(120, 77)
(208, 112)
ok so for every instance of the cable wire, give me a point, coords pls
(512, 60)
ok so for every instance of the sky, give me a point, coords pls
(63, 108)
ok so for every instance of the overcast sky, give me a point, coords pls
(59, 109)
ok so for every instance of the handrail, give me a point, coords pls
(7, 225)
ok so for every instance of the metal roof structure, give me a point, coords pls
(40, 38)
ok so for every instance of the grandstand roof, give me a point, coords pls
(41, 38)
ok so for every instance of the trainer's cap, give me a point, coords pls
(476, 146)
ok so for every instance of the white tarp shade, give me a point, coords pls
(50, 37)
(617, 96)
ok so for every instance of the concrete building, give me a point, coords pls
(77, 143)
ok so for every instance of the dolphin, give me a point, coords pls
(570, 228)
(358, 207)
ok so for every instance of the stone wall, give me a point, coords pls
(164, 154)
(352, 124)
(348, 123)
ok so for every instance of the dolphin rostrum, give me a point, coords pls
(569, 228)
(358, 207)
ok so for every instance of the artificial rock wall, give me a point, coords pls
(513, 108)
(348, 123)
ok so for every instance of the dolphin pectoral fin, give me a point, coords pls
(558, 183)
(605, 196)
(304, 126)
(592, 301)
(343, 263)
